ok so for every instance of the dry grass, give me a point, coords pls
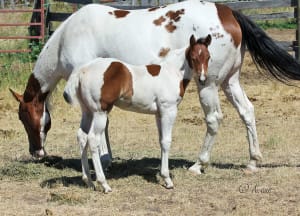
(54, 186)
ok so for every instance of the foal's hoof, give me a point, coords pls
(195, 169)
(169, 183)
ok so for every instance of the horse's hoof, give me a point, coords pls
(250, 170)
(169, 184)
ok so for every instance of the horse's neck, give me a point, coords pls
(177, 60)
(48, 68)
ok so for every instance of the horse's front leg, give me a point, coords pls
(165, 121)
(210, 103)
(94, 138)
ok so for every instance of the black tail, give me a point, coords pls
(265, 53)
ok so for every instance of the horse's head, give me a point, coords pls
(198, 56)
(36, 119)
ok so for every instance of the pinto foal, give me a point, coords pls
(153, 89)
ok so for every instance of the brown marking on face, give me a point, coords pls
(175, 15)
(159, 21)
(31, 109)
(119, 13)
(164, 52)
(182, 85)
(229, 23)
(153, 69)
(153, 9)
(117, 84)
(170, 27)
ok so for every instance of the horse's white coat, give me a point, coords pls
(93, 32)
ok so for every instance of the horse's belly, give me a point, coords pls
(140, 107)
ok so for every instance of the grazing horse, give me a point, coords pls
(145, 36)
(153, 89)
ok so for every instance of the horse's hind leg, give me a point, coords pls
(209, 100)
(238, 98)
(94, 138)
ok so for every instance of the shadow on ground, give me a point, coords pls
(148, 168)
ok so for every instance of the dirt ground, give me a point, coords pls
(53, 186)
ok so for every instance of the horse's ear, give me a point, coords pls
(192, 40)
(207, 40)
(17, 96)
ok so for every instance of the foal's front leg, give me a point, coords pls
(209, 100)
(165, 121)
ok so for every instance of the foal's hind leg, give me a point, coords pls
(211, 106)
(94, 137)
(238, 98)
(104, 148)
(82, 141)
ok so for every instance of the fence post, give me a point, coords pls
(298, 31)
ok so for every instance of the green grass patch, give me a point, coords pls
(278, 24)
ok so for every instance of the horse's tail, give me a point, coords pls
(71, 89)
(266, 53)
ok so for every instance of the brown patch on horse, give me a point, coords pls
(153, 9)
(229, 23)
(117, 83)
(175, 15)
(170, 27)
(159, 21)
(164, 52)
(119, 13)
(153, 69)
(182, 85)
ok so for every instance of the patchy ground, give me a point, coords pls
(54, 187)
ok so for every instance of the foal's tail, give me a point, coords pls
(266, 53)
(71, 89)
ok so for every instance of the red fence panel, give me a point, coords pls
(40, 24)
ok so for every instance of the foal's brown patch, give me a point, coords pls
(119, 13)
(159, 21)
(153, 69)
(117, 83)
(164, 52)
(229, 23)
(182, 85)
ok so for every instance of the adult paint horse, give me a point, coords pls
(153, 89)
(144, 36)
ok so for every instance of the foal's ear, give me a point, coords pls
(17, 96)
(192, 40)
(207, 40)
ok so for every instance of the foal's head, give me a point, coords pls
(198, 56)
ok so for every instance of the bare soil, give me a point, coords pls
(53, 186)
